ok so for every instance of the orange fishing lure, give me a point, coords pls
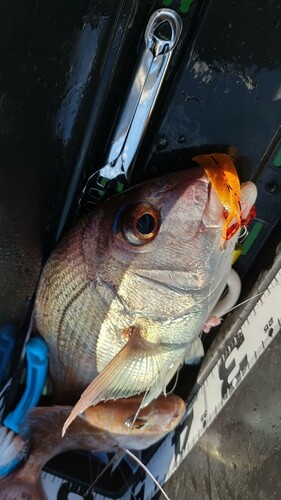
(223, 176)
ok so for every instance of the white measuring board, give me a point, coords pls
(240, 354)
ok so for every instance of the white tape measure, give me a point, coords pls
(237, 356)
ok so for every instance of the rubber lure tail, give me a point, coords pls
(223, 176)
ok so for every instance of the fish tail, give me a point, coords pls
(15, 486)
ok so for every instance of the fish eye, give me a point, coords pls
(137, 423)
(139, 223)
(146, 224)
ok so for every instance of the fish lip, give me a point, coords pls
(194, 308)
(181, 289)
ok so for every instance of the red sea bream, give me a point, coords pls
(125, 295)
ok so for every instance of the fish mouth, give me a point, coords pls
(161, 415)
(181, 282)
(136, 423)
(192, 289)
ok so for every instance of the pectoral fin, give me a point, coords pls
(119, 378)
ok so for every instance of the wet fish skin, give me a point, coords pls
(100, 290)
(101, 428)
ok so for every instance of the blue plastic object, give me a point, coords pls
(37, 366)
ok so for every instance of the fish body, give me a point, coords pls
(128, 289)
(101, 428)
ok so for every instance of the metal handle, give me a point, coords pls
(143, 94)
(140, 101)
(159, 45)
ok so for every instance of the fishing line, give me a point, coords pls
(176, 381)
(108, 465)
(129, 488)
(139, 462)
(139, 409)
(248, 300)
(90, 468)
(160, 375)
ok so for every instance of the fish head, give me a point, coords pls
(160, 245)
(134, 428)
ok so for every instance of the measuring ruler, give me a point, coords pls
(238, 353)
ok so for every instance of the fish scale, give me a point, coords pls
(68, 288)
